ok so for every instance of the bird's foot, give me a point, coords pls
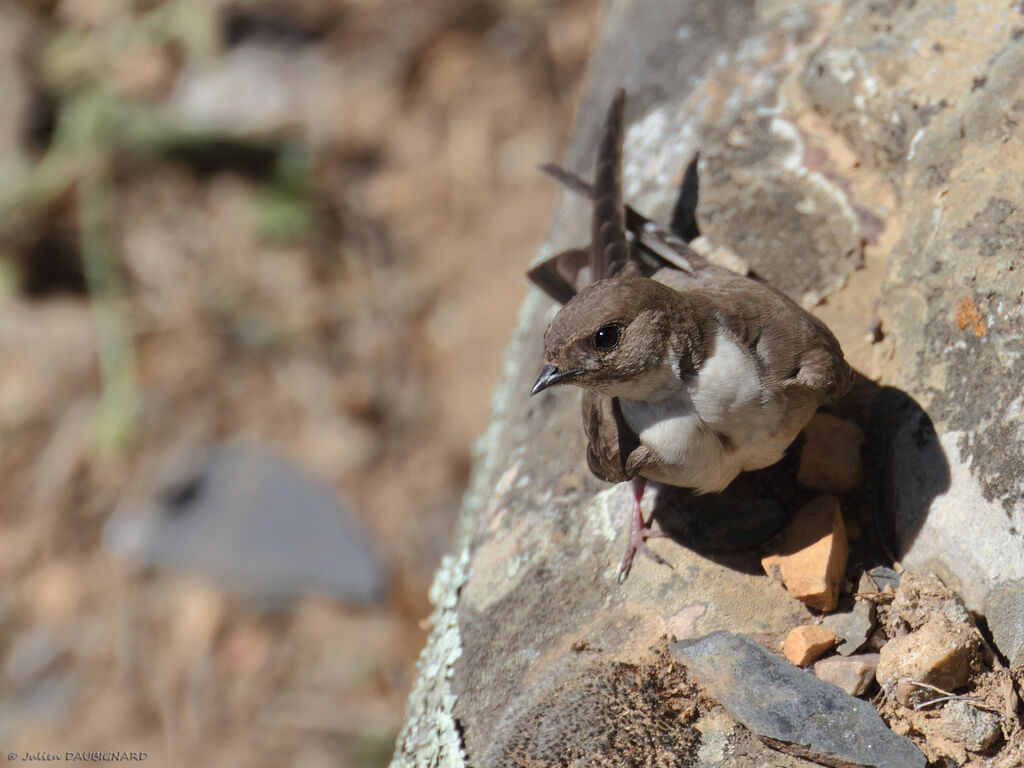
(639, 533)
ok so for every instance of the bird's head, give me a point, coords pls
(611, 335)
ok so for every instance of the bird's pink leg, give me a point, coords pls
(639, 532)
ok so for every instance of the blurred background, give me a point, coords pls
(259, 262)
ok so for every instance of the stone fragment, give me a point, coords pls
(854, 674)
(920, 597)
(976, 729)
(878, 639)
(830, 458)
(884, 577)
(252, 523)
(814, 552)
(790, 709)
(854, 627)
(940, 653)
(806, 643)
(1004, 610)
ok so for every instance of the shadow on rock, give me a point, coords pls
(914, 466)
(736, 526)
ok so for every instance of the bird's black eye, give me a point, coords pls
(607, 336)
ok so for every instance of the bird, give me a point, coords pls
(691, 373)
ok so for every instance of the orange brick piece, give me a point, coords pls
(813, 558)
(830, 458)
(806, 643)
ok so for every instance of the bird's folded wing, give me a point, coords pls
(614, 452)
(797, 349)
(791, 347)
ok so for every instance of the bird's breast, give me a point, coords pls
(713, 424)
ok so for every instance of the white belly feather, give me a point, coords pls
(680, 420)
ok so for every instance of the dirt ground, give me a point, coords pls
(304, 223)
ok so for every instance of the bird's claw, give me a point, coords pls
(638, 543)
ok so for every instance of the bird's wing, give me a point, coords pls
(614, 452)
(659, 247)
(559, 276)
(610, 252)
(791, 346)
(796, 348)
(609, 248)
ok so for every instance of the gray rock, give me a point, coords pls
(975, 728)
(259, 90)
(252, 523)
(791, 709)
(884, 577)
(854, 627)
(1004, 610)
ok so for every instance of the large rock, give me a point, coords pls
(251, 522)
(946, 132)
(811, 122)
(792, 709)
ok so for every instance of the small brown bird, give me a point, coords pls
(691, 373)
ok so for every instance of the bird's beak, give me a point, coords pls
(549, 376)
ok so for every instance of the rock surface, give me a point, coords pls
(847, 153)
(830, 458)
(953, 299)
(791, 709)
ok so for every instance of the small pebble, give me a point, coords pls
(854, 627)
(884, 577)
(854, 674)
(919, 598)
(977, 729)
(940, 653)
(806, 643)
